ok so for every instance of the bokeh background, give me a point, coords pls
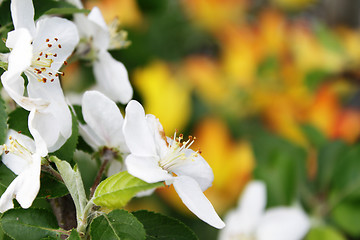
(270, 88)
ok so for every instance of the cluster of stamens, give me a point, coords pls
(15, 148)
(41, 63)
(176, 155)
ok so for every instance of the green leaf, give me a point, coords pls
(329, 157)
(281, 165)
(55, 7)
(66, 11)
(161, 227)
(74, 235)
(315, 137)
(328, 38)
(73, 182)
(66, 152)
(6, 177)
(347, 216)
(29, 224)
(51, 187)
(315, 77)
(18, 120)
(5, 16)
(325, 232)
(115, 191)
(346, 178)
(118, 224)
(3, 122)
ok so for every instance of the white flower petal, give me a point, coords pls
(54, 122)
(236, 227)
(197, 168)
(24, 187)
(190, 193)
(253, 201)
(158, 133)
(53, 28)
(30, 183)
(22, 13)
(146, 168)
(136, 131)
(41, 147)
(14, 162)
(112, 78)
(90, 137)
(101, 37)
(283, 224)
(20, 57)
(14, 86)
(115, 167)
(104, 118)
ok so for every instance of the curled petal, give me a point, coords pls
(190, 193)
(112, 78)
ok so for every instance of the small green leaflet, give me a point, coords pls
(115, 191)
(73, 182)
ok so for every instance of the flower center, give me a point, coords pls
(175, 155)
(242, 236)
(15, 148)
(42, 60)
(118, 37)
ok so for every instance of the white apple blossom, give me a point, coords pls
(104, 127)
(96, 39)
(22, 156)
(155, 158)
(250, 221)
(39, 51)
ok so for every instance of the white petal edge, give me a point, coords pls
(112, 78)
(138, 136)
(24, 187)
(21, 55)
(190, 193)
(63, 30)
(197, 168)
(22, 13)
(253, 200)
(146, 168)
(283, 223)
(104, 117)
